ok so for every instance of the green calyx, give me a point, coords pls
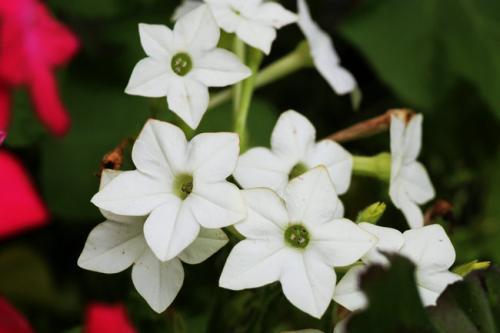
(297, 170)
(181, 63)
(297, 236)
(372, 213)
(183, 185)
(378, 166)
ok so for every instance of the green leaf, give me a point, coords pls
(25, 277)
(422, 47)
(465, 306)
(395, 304)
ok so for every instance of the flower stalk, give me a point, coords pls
(245, 97)
(294, 61)
(378, 166)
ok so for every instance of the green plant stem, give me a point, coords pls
(290, 63)
(378, 166)
(241, 112)
(239, 49)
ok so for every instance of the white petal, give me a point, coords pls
(170, 229)
(253, 263)
(198, 29)
(160, 149)
(274, 14)
(185, 7)
(389, 240)
(150, 78)
(348, 293)
(267, 217)
(213, 156)
(432, 285)
(217, 205)
(205, 245)
(323, 53)
(413, 139)
(156, 40)
(133, 193)
(311, 198)
(259, 167)
(336, 159)
(429, 248)
(219, 68)
(189, 100)
(107, 176)
(308, 283)
(226, 18)
(256, 34)
(417, 183)
(293, 136)
(157, 282)
(112, 247)
(410, 209)
(397, 129)
(341, 242)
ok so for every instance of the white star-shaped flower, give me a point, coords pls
(296, 240)
(410, 184)
(253, 21)
(119, 243)
(429, 248)
(293, 151)
(182, 63)
(180, 185)
(323, 53)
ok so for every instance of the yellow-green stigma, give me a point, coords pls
(296, 235)
(181, 63)
(183, 185)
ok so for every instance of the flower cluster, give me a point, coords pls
(286, 210)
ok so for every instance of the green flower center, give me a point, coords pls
(181, 63)
(183, 185)
(296, 235)
(297, 170)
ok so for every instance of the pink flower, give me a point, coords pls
(32, 44)
(103, 318)
(20, 206)
(11, 321)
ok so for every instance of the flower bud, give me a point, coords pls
(372, 213)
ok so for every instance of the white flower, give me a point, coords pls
(429, 248)
(410, 184)
(347, 293)
(293, 151)
(181, 185)
(296, 240)
(182, 63)
(254, 21)
(324, 56)
(185, 7)
(118, 243)
(432, 252)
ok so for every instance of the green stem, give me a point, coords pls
(239, 50)
(241, 113)
(290, 63)
(378, 166)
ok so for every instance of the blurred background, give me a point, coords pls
(438, 57)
